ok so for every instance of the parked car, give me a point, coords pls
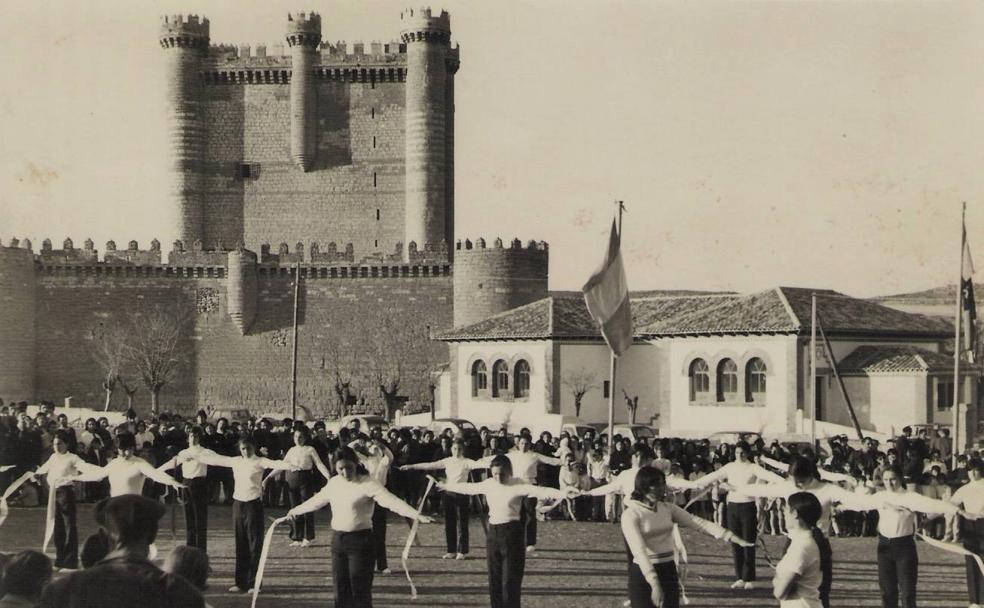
(367, 422)
(460, 428)
(635, 432)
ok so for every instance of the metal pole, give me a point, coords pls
(813, 374)
(955, 441)
(840, 381)
(611, 405)
(293, 359)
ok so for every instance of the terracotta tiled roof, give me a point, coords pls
(779, 310)
(887, 359)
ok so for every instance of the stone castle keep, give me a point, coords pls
(319, 160)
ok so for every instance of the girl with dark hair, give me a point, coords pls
(194, 474)
(807, 565)
(898, 562)
(353, 495)
(247, 505)
(741, 513)
(127, 472)
(300, 484)
(62, 469)
(505, 551)
(647, 524)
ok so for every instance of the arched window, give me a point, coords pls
(500, 379)
(727, 380)
(480, 377)
(755, 380)
(700, 380)
(521, 383)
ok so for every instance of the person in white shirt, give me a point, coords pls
(970, 497)
(741, 512)
(353, 497)
(376, 457)
(806, 566)
(194, 474)
(127, 472)
(457, 511)
(524, 464)
(505, 556)
(647, 525)
(61, 469)
(300, 484)
(247, 505)
(898, 562)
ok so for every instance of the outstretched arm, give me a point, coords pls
(312, 504)
(437, 465)
(387, 499)
(766, 490)
(686, 520)
(632, 531)
(320, 464)
(158, 476)
(277, 465)
(468, 488)
(210, 458)
(549, 460)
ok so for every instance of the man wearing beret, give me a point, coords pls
(125, 578)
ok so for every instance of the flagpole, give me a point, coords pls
(955, 442)
(813, 374)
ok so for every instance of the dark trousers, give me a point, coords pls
(300, 484)
(741, 520)
(528, 517)
(972, 536)
(506, 556)
(640, 593)
(66, 533)
(457, 512)
(379, 514)
(220, 479)
(196, 513)
(898, 564)
(247, 520)
(351, 568)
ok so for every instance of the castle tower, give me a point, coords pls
(490, 280)
(303, 36)
(241, 288)
(17, 334)
(185, 40)
(428, 51)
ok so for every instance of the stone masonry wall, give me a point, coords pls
(226, 368)
(359, 167)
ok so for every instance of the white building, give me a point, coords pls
(707, 363)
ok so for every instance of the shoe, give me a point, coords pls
(235, 589)
(294, 543)
(448, 556)
(749, 585)
(530, 548)
(385, 571)
(461, 556)
(305, 543)
(626, 603)
(738, 584)
(250, 590)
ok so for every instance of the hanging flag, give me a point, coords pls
(968, 307)
(607, 296)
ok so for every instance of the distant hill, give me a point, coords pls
(931, 297)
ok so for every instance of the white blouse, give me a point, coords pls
(803, 559)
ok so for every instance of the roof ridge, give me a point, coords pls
(922, 362)
(687, 297)
(797, 323)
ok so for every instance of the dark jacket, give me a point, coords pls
(121, 582)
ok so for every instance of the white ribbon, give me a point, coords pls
(405, 556)
(49, 518)
(263, 556)
(700, 495)
(682, 561)
(952, 548)
(4, 508)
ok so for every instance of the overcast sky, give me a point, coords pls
(755, 144)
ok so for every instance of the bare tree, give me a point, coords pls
(339, 364)
(632, 404)
(580, 382)
(110, 351)
(398, 345)
(157, 347)
(129, 390)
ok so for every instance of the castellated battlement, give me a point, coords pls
(425, 20)
(193, 261)
(184, 31)
(304, 30)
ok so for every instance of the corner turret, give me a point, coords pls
(185, 41)
(17, 333)
(491, 280)
(429, 131)
(304, 37)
